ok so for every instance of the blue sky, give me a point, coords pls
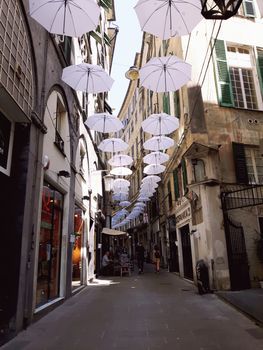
(128, 43)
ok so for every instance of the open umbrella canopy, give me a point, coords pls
(156, 158)
(113, 145)
(121, 171)
(140, 204)
(111, 232)
(154, 169)
(87, 77)
(160, 124)
(151, 179)
(143, 199)
(120, 160)
(72, 18)
(163, 74)
(120, 197)
(120, 188)
(125, 203)
(122, 182)
(157, 143)
(104, 122)
(167, 18)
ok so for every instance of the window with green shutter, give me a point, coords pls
(224, 84)
(260, 67)
(184, 172)
(240, 163)
(166, 103)
(176, 184)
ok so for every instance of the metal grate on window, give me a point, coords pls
(15, 55)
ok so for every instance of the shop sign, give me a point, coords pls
(183, 215)
(6, 142)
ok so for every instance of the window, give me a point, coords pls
(60, 113)
(254, 162)
(82, 154)
(248, 164)
(247, 9)
(169, 193)
(238, 85)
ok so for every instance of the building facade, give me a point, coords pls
(49, 179)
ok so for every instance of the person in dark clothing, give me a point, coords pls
(140, 257)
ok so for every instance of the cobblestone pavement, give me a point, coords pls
(141, 312)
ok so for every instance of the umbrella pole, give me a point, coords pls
(65, 13)
(87, 96)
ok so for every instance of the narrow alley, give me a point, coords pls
(142, 312)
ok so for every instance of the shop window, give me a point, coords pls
(76, 250)
(49, 245)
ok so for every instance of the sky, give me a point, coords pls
(128, 43)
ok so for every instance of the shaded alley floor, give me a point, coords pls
(142, 312)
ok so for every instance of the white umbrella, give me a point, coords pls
(123, 182)
(151, 178)
(104, 122)
(154, 169)
(120, 188)
(87, 77)
(143, 199)
(120, 160)
(121, 171)
(160, 124)
(120, 197)
(157, 143)
(156, 158)
(71, 18)
(140, 204)
(125, 203)
(167, 18)
(113, 145)
(163, 74)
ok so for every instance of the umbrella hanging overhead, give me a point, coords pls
(160, 124)
(87, 77)
(167, 18)
(140, 204)
(104, 122)
(121, 171)
(157, 143)
(156, 158)
(163, 74)
(154, 169)
(121, 182)
(120, 160)
(66, 17)
(151, 178)
(113, 145)
(125, 203)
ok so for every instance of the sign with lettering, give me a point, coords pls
(183, 215)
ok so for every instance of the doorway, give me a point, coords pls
(187, 252)
(174, 258)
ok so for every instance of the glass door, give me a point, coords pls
(49, 245)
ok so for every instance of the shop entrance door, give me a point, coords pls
(174, 260)
(187, 252)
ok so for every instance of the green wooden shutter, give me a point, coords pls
(260, 67)
(249, 8)
(166, 104)
(224, 83)
(177, 110)
(240, 163)
(176, 184)
(184, 172)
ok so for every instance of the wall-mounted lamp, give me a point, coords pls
(219, 9)
(132, 73)
(108, 180)
(64, 173)
(86, 198)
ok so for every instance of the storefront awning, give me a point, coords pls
(111, 232)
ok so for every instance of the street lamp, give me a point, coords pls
(219, 9)
(108, 181)
(132, 73)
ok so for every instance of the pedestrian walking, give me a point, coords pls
(140, 257)
(157, 258)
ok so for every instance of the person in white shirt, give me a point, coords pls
(106, 264)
